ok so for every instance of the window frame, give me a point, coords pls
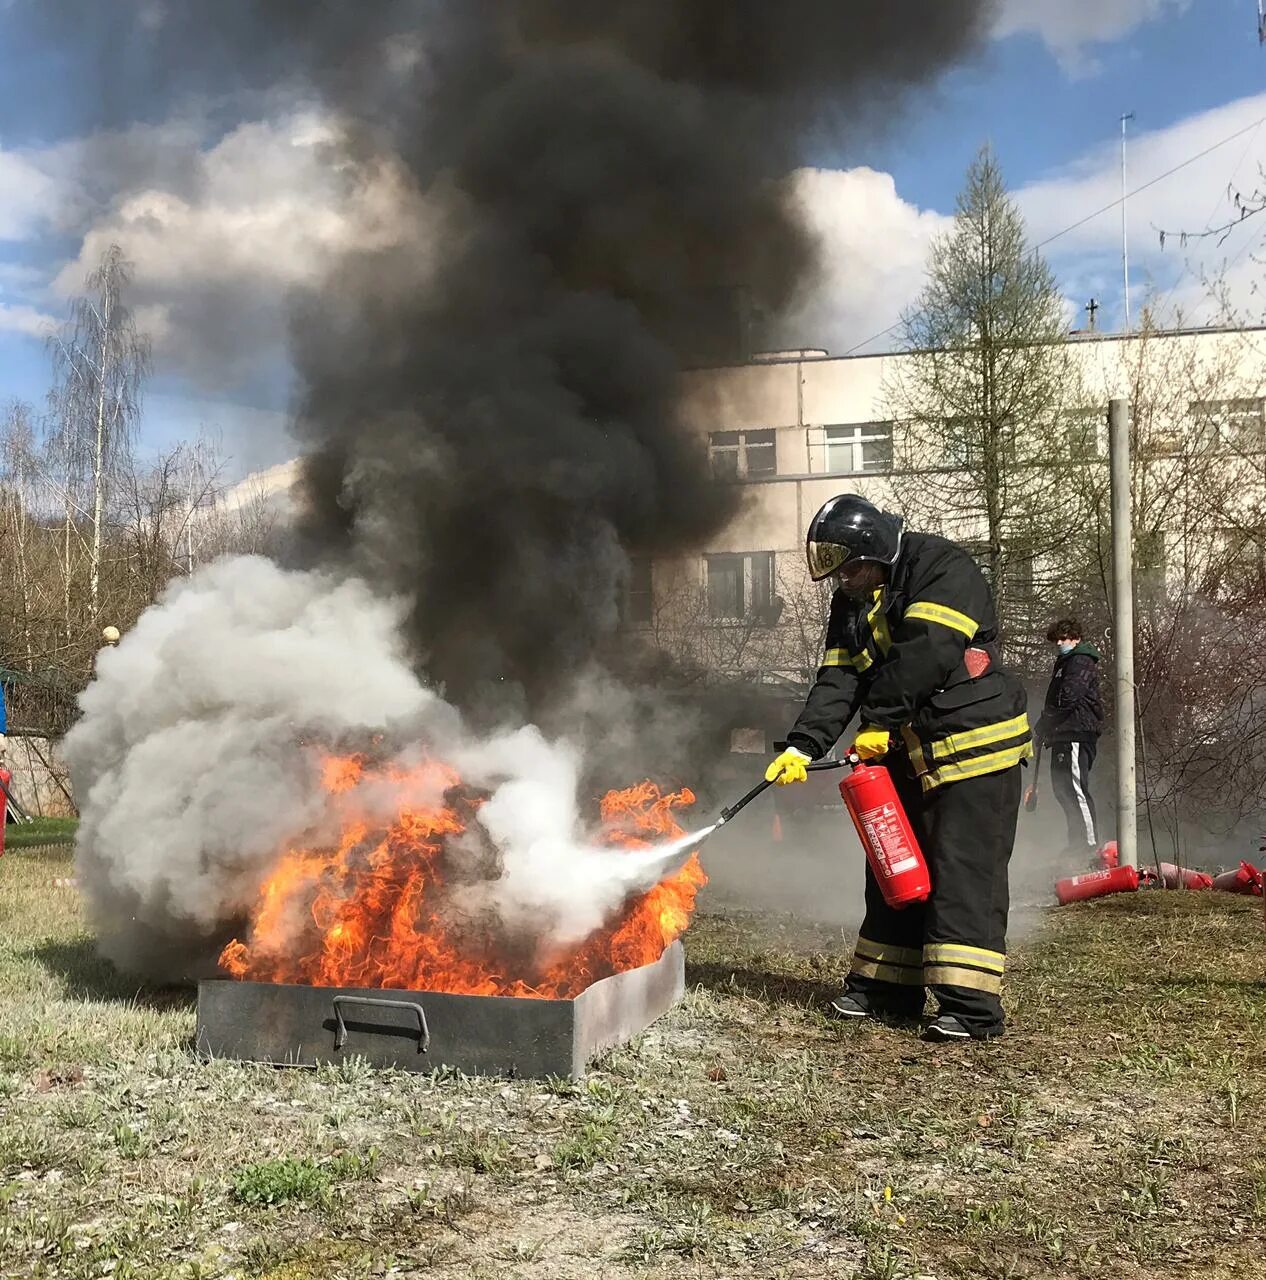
(639, 587)
(742, 446)
(755, 587)
(863, 435)
(1222, 416)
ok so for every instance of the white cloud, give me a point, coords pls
(874, 247)
(20, 318)
(26, 195)
(1070, 27)
(220, 242)
(876, 243)
(1191, 200)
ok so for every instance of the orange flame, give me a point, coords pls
(374, 911)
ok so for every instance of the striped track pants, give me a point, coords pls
(1071, 763)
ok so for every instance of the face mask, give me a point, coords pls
(1066, 647)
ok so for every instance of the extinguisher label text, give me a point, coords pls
(883, 831)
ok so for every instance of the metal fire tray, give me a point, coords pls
(292, 1025)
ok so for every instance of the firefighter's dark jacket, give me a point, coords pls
(899, 661)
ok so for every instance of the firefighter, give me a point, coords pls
(1070, 725)
(911, 646)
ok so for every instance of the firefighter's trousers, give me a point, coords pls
(1071, 763)
(955, 943)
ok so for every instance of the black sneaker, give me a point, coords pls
(946, 1028)
(849, 1005)
(853, 1005)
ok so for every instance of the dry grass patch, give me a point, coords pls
(1117, 1131)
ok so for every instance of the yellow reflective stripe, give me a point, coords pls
(842, 658)
(982, 737)
(879, 624)
(926, 611)
(992, 763)
(900, 974)
(946, 975)
(883, 637)
(961, 953)
(914, 749)
(887, 951)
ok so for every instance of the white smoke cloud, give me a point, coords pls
(191, 763)
(26, 195)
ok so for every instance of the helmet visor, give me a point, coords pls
(825, 558)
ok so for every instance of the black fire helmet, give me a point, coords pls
(849, 529)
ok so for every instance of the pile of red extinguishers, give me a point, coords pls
(1113, 878)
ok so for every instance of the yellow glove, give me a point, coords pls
(871, 744)
(789, 767)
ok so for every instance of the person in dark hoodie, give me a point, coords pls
(1070, 726)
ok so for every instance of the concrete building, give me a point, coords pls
(794, 428)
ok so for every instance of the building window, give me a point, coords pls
(969, 442)
(741, 455)
(857, 447)
(1238, 425)
(1151, 561)
(741, 587)
(1082, 434)
(639, 596)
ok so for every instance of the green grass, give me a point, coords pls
(39, 832)
(1118, 1130)
(275, 1181)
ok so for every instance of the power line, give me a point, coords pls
(1112, 204)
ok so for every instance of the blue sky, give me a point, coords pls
(225, 204)
(1042, 111)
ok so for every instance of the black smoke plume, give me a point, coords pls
(488, 409)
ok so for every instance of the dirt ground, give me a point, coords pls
(1118, 1130)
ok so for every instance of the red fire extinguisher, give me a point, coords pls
(1095, 884)
(1244, 879)
(896, 861)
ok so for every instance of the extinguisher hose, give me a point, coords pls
(818, 766)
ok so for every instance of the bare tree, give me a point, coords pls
(1199, 496)
(784, 642)
(101, 361)
(19, 528)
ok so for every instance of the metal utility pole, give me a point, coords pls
(1125, 240)
(1123, 629)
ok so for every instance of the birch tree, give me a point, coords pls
(20, 531)
(100, 361)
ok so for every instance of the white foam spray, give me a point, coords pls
(194, 765)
